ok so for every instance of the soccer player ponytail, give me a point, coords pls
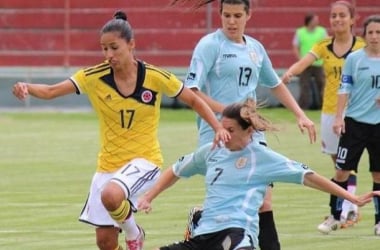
(247, 116)
(195, 4)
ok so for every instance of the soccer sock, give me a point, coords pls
(121, 213)
(130, 228)
(336, 202)
(268, 237)
(351, 187)
(376, 202)
(348, 206)
(123, 216)
(351, 183)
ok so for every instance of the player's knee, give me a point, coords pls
(112, 196)
(341, 175)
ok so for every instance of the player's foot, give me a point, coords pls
(377, 229)
(192, 222)
(138, 243)
(352, 219)
(330, 224)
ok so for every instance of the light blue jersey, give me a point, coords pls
(361, 80)
(228, 72)
(236, 183)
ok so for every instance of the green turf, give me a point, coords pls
(47, 161)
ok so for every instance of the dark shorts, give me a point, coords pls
(359, 136)
(226, 239)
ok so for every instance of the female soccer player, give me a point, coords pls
(226, 67)
(126, 95)
(236, 178)
(333, 51)
(359, 125)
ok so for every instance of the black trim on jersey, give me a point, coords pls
(97, 69)
(141, 72)
(164, 73)
(93, 224)
(180, 91)
(330, 47)
(76, 87)
(140, 94)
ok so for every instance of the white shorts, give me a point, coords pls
(135, 178)
(329, 139)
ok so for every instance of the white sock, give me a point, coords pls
(352, 190)
(130, 228)
(348, 206)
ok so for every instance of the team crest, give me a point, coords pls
(253, 56)
(147, 96)
(241, 162)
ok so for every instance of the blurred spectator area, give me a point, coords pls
(66, 32)
(47, 40)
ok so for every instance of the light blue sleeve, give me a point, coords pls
(268, 76)
(347, 80)
(202, 61)
(281, 169)
(192, 164)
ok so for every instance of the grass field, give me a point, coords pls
(47, 161)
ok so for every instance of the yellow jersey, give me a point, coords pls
(128, 124)
(332, 66)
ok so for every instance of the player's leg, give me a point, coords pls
(376, 201)
(193, 217)
(319, 77)
(350, 212)
(329, 146)
(119, 197)
(268, 237)
(107, 238)
(373, 149)
(94, 213)
(350, 149)
(304, 84)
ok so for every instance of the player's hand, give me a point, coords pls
(20, 90)
(305, 123)
(377, 193)
(221, 136)
(365, 198)
(286, 77)
(144, 204)
(339, 127)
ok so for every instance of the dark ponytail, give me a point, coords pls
(246, 116)
(120, 15)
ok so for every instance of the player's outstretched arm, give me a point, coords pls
(201, 107)
(43, 91)
(339, 124)
(319, 182)
(298, 67)
(167, 179)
